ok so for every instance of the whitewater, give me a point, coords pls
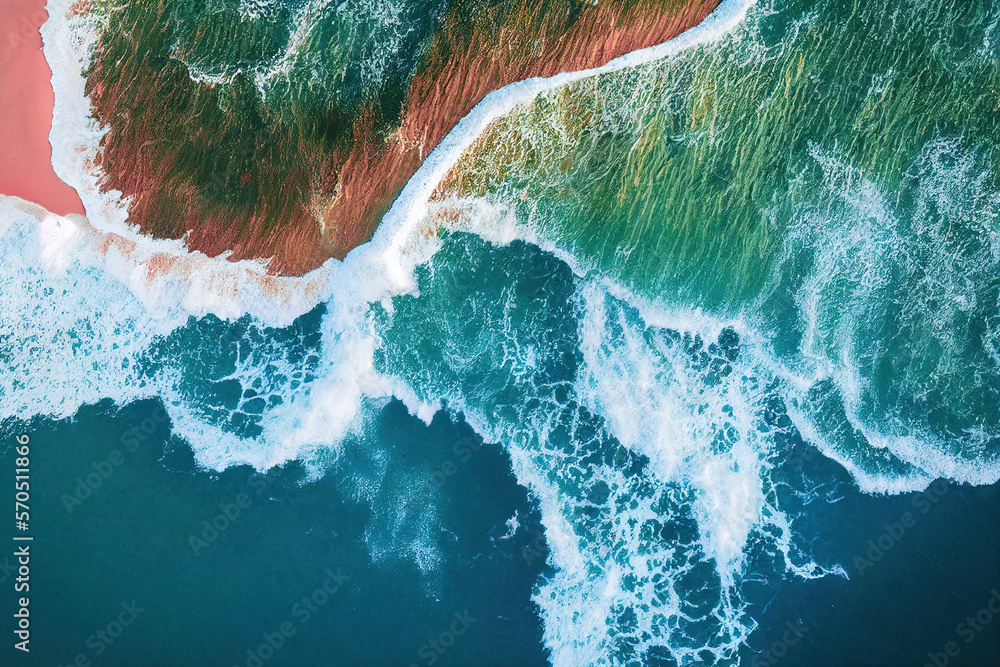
(666, 416)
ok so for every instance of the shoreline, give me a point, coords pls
(161, 276)
(411, 204)
(26, 106)
(296, 230)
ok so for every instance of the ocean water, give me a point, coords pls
(692, 360)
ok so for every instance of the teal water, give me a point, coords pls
(206, 598)
(428, 519)
(827, 172)
(706, 354)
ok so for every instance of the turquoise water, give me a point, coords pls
(827, 173)
(209, 597)
(429, 520)
(701, 368)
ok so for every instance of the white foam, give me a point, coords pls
(867, 255)
(667, 420)
(166, 279)
(83, 310)
(371, 271)
(69, 331)
(655, 402)
(397, 226)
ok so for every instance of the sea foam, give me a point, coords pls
(102, 296)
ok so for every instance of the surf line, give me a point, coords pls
(411, 205)
(230, 289)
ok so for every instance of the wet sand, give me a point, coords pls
(26, 101)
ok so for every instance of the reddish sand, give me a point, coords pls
(26, 101)
(534, 39)
(331, 201)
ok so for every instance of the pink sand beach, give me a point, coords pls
(26, 101)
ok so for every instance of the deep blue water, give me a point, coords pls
(749, 413)
(130, 541)
(577, 492)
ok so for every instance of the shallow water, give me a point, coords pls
(682, 359)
